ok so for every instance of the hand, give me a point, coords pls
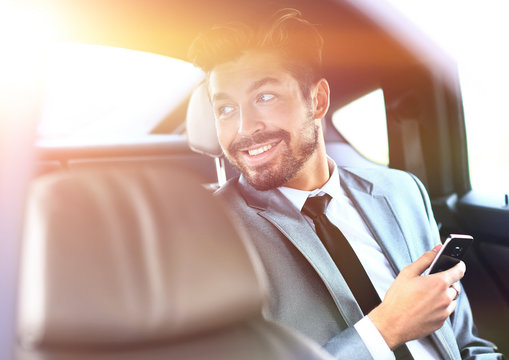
(415, 305)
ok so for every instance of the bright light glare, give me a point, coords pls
(99, 92)
(475, 34)
(26, 34)
(25, 26)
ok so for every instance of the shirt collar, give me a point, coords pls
(331, 187)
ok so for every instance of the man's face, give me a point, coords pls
(265, 126)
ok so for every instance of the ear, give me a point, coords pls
(321, 99)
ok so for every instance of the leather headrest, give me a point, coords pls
(200, 124)
(130, 255)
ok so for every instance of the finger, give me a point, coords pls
(452, 292)
(455, 273)
(452, 307)
(418, 266)
(456, 286)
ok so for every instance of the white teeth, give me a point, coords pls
(259, 150)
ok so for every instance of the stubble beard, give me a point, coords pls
(273, 175)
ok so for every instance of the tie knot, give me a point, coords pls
(316, 205)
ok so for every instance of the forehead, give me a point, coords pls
(240, 74)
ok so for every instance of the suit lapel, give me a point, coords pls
(278, 210)
(376, 211)
(446, 341)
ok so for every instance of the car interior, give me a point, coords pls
(119, 250)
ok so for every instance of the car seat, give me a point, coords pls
(141, 262)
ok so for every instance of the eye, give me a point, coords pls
(266, 97)
(224, 111)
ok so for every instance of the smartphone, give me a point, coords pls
(451, 253)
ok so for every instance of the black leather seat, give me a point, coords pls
(140, 262)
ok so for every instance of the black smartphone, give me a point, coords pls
(451, 253)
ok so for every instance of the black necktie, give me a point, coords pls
(346, 260)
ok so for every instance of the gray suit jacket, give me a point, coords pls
(308, 293)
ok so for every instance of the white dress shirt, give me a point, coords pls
(342, 213)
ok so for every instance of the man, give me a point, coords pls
(269, 99)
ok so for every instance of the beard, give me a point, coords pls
(290, 162)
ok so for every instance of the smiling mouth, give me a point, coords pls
(259, 150)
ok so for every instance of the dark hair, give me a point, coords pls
(294, 39)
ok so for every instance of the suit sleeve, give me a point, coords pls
(356, 348)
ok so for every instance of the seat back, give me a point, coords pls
(201, 124)
(141, 263)
(201, 130)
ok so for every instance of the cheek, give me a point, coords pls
(225, 133)
(286, 115)
(290, 120)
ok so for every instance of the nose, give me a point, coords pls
(250, 122)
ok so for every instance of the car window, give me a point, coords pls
(475, 35)
(363, 123)
(95, 92)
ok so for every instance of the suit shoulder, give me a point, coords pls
(375, 173)
(383, 179)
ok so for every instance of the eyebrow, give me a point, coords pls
(219, 96)
(254, 86)
(259, 83)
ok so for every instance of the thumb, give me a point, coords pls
(418, 266)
